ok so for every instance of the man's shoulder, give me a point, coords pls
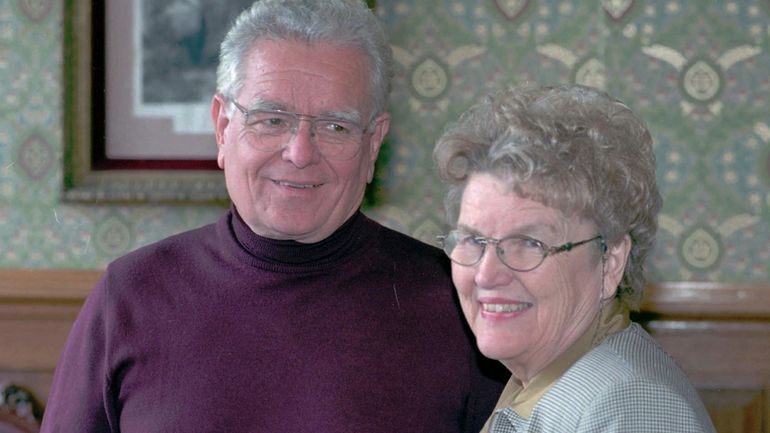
(408, 244)
(414, 259)
(179, 246)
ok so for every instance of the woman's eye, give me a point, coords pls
(532, 244)
(477, 241)
(470, 241)
(523, 246)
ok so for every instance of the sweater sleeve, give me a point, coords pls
(79, 400)
(488, 378)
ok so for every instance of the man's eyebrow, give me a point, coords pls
(352, 116)
(349, 115)
(261, 104)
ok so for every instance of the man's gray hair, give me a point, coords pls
(348, 23)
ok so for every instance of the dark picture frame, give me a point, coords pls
(91, 173)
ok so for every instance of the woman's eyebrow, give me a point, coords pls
(529, 229)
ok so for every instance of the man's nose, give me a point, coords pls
(301, 149)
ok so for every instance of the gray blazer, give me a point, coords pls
(627, 384)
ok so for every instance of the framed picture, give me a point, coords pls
(138, 80)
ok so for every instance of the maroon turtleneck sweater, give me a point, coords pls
(221, 330)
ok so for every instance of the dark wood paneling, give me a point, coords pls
(719, 334)
(37, 309)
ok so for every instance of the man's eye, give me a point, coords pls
(335, 127)
(267, 120)
(270, 122)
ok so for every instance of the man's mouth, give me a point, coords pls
(296, 185)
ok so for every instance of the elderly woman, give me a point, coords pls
(553, 198)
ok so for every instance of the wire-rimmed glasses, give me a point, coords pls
(335, 138)
(518, 252)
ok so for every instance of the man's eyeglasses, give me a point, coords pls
(519, 253)
(272, 129)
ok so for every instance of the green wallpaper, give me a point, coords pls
(697, 71)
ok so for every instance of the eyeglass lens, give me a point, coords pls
(520, 253)
(270, 130)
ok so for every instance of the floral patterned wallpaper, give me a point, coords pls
(698, 72)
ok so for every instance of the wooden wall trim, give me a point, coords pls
(719, 332)
(705, 299)
(46, 284)
(702, 299)
(37, 309)
(718, 353)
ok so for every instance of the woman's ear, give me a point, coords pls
(615, 259)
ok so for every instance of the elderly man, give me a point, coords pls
(294, 312)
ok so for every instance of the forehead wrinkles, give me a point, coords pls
(319, 68)
(507, 214)
(545, 223)
(282, 88)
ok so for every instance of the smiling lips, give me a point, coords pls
(296, 185)
(505, 308)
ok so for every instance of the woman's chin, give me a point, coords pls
(494, 348)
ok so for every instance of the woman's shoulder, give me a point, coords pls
(628, 373)
(628, 354)
(625, 359)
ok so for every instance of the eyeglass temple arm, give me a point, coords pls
(570, 245)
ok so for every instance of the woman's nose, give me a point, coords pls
(491, 271)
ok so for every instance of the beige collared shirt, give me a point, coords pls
(522, 399)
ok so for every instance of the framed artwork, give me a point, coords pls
(138, 80)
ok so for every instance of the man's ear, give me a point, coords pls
(381, 127)
(615, 259)
(221, 119)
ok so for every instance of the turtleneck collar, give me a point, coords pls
(275, 253)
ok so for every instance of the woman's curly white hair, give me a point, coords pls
(573, 148)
